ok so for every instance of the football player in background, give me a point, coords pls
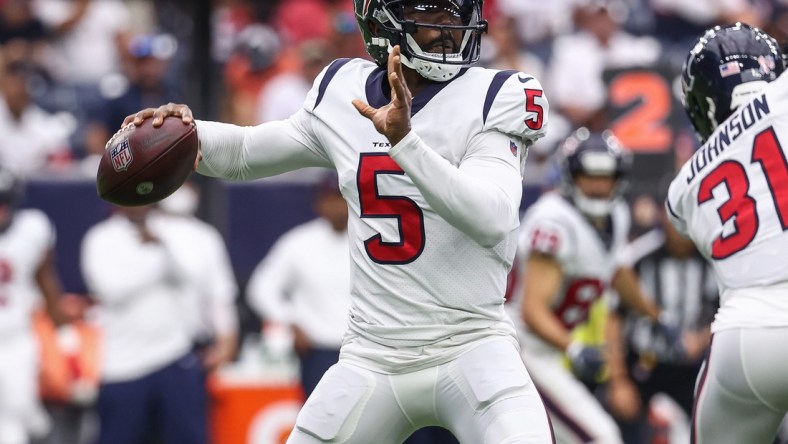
(571, 245)
(27, 272)
(429, 156)
(730, 199)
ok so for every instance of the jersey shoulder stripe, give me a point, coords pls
(495, 86)
(331, 71)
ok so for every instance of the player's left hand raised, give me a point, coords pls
(392, 120)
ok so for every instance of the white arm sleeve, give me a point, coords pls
(244, 153)
(481, 197)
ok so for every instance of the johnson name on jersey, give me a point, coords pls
(729, 198)
(407, 290)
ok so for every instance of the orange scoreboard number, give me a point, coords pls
(644, 113)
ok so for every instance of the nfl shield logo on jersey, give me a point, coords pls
(513, 148)
(121, 156)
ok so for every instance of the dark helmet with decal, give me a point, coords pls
(725, 68)
(594, 154)
(385, 23)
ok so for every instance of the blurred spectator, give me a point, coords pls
(27, 274)
(33, 140)
(539, 21)
(344, 40)
(146, 59)
(300, 20)
(682, 284)
(138, 268)
(22, 35)
(777, 25)
(304, 283)
(229, 18)
(258, 57)
(18, 22)
(577, 89)
(284, 94)
(89, 33)
(683, 21)
(504, 50)
(211, 313)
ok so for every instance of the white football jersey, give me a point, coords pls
(421, 284)
(588, 258)
(23, 246)
(731, 199)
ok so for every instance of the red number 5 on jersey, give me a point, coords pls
(531, 106)
(410, 219)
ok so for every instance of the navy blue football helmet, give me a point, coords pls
(725, 68)
(594, 154)
(393, 24)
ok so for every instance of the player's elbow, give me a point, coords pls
(495, 227)
(491, 237)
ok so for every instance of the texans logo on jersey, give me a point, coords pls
(121, 156)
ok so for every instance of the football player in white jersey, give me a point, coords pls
(429, 154)
(571, 245)
(27, 273)
(731, 199)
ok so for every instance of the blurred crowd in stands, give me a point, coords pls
(71, 70)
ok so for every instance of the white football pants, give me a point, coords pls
(483, 397)
(576, 414)
(741, 395)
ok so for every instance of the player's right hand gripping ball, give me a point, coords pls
(142, 165)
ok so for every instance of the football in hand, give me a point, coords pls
(142, 165)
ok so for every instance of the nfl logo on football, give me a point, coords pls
(121, 156)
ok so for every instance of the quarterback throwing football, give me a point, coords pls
(429, 154)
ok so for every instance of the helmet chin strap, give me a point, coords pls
(591, 207)
(438, 72)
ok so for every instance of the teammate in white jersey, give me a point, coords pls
(27, 273)
(429, 155)
(730, 198)
(571, 245)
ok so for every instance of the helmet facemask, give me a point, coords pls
(397, 20)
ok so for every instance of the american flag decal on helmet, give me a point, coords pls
(513, 148)
(120, 155)
(365, 9)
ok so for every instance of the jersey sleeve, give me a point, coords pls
(481, 198)
(516, 105)
(548, 237)
(244, 153)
